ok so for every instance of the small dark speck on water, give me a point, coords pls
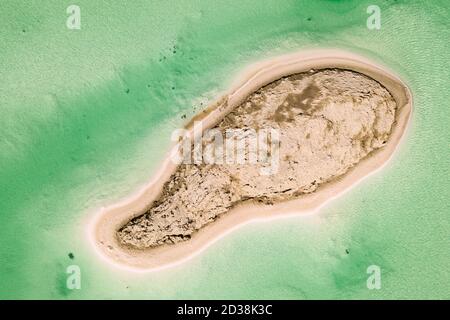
(173, 88)
(347, 251)
(71, 256)
(127, 91)
(309, 19)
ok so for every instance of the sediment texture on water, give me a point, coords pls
(328, 121)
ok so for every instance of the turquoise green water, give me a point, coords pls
(86, 117)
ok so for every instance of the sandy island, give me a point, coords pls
(341, 118)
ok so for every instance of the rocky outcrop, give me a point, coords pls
(328, 120)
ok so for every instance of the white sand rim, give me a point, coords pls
(103, 231)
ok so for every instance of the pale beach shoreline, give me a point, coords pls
(103, 227)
